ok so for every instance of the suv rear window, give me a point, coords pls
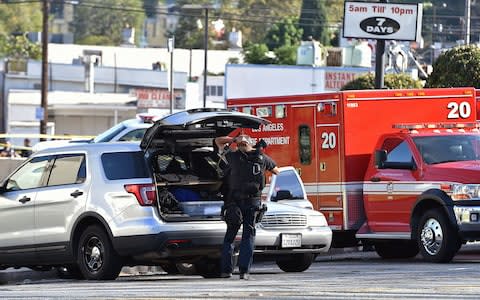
(124, 165)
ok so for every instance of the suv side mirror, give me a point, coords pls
(283, 195)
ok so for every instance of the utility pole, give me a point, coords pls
(44, 91)
(205, 70)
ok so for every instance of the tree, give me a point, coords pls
(19, 47)
(107, 18)
(286, 55)
(457, 67)
(286, 33)
(20, 18)
(255, 17)
(313, 21)
(392, 81)
(257, 54)
(190, 31)
(16, 19)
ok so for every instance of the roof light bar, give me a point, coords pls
(471, 125)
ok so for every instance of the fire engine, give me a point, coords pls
(397, 169)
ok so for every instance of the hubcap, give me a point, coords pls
(93, 254)
(432, 236)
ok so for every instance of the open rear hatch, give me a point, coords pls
(179, 149)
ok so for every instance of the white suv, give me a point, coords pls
(93, 208)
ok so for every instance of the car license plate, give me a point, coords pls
(291, 240)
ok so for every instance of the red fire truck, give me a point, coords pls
(397, 169)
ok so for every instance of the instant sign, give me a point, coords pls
(382, 21)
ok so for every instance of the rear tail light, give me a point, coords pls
(145, 193)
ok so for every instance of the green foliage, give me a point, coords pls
(107, 18)
(96, 40)
(19, 47)
(286, 33)
(313, 21)
(255, 17)
(257, 54)
(391, 81)
(20, 18)
(457, 67)
(286, 55)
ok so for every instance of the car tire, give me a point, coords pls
(96, 258)
(295, 262)
(437, 240)
(69, 272)
(396, 249)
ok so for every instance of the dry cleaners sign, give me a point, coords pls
(382, 21)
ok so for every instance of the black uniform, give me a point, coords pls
(244, 175)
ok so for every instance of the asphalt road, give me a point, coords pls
(353, 275)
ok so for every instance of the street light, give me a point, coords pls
(170, 47)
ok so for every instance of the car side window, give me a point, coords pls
(288, 181)
(124, 165)
(134, 135)
(67, 169)
(30, 175)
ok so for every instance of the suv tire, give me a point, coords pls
(96, 258)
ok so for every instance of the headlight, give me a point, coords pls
(317, 220)
(465, 191)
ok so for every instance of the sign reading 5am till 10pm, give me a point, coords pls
(382, 21)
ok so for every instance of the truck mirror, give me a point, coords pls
(283, 195)
(380, 158)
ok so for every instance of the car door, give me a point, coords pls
(60, 201)
(17, 207)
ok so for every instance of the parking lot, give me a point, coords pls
(349, 275)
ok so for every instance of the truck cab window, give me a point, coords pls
(397, 151)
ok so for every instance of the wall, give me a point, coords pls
(275, 80)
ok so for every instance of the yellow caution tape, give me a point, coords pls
(46, 136)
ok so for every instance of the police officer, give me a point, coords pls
(244, 175)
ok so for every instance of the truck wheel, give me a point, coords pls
(396, 249)
(295, 262)
(437, 240)
(96, 258)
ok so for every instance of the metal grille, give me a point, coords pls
(284, 220)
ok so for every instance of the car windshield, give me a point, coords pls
(451, 148)
(108, 135)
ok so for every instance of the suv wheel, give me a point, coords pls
(96, 258)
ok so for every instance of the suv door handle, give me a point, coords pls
(24, 199)
(76, 194)
(375, 179)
